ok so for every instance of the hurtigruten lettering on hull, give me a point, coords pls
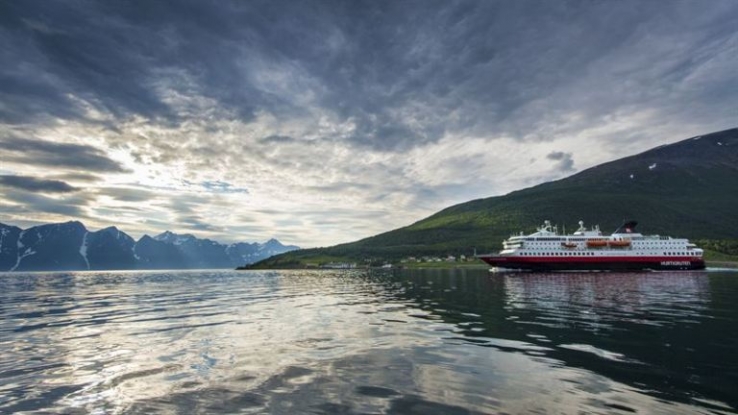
(590, 250)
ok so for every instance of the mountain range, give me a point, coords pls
(685, 189)
(70, 247)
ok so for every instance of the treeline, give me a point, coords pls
(723, 246)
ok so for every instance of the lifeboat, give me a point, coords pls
(619, 244)
(596, 244)
(569, 244)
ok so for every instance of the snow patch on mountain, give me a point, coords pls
(173, 238)
(3, 234)
(28, 252)
(83, 250)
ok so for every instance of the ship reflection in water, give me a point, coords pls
(423, 342)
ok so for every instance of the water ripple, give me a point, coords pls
(357, 342)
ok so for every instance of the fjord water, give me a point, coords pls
(446, 342)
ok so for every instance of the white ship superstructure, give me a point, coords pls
(589, 249)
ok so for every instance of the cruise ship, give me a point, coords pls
(590, 250)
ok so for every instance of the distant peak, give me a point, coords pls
(272, 244)
(165, 235)
(173, 238)
(69, 224)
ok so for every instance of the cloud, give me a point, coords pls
(79, 177)
(33, 184)
(276, 139)
(301, 116)
(127, 194)
(565, 162)
(37, 204)
(222, 187)
(197, 223)
(58, 155)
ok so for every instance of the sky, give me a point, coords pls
(324, 122)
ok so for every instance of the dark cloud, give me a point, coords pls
(72, 51)
(80, 177)
(565, 162)
(187, 204)
(34, 184)
(197, 223)
(405, 73)
(72, 206)
(127, 194)
(557, 155)
(341, 187)
(277, 139)
(51, 154)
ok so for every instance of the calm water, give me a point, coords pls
(424, 342)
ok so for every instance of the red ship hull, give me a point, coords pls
(597, 263)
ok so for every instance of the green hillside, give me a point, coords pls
(687, 189)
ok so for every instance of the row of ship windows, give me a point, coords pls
(558, 253)
(637, 240)
(533, 248)
(592, 253)
(634, 243)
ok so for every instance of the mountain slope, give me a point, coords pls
(55, 246)
(198, 253)
(687, 189)
(8, 245)
(110, 248)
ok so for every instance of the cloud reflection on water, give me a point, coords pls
(349, 342)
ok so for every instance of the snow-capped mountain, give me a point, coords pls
(245, 253)
(70, 246)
